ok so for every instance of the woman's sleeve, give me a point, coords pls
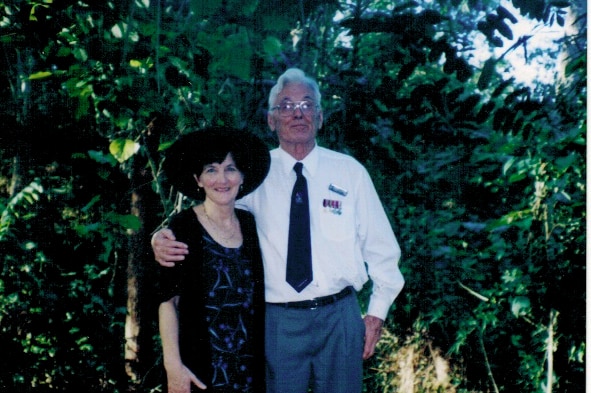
(169, 278)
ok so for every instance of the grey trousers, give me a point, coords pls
(321, 348)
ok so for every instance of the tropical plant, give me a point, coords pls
(483, 177)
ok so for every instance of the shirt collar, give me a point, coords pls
(310, 161)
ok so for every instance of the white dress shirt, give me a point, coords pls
(349, 229)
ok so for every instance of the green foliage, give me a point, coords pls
(14, 210)
(61, 311)
(486, 191)
(483, 179)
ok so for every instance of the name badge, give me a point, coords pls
(337, 189)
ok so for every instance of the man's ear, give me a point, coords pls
(271, 121)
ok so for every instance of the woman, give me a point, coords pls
(212, 312)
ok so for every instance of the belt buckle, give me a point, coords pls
(315, 304)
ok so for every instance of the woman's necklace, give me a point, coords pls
(216, 228)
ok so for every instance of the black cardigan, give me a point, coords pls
(182, 280)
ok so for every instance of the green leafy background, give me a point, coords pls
(482, 177)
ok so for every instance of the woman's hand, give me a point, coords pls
(180, 379)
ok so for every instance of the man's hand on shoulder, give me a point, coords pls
(167, 251)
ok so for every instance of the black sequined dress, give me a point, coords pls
(221, 306)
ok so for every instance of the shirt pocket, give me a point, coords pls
(337, 224)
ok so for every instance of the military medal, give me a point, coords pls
(333, 206)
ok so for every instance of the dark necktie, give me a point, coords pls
(299, 249)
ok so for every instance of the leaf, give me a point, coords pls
(231, 54)
(488, 71)
(91, 203)
(463, 70)
(505, 14)
(520, 305)
(504, 29)
(272, 47)
(127, 221)
(80, 54)
(405, 6)
(473, 292)
(40, 75)
(563, 163)
(560, 3)
(517, 177)
(430, 17)
(509, 164)
(474, 226)
(117, 30)
(12, 211)
(496, 41)
(205, 8)
(560, 20)
(123, 149)
(102, 158)
(516, 340)
(520, 219)
(502, 86)
(563, 197)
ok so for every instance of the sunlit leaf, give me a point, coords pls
(117, 30)
(40, 75)
(520, 305)
(123, 149)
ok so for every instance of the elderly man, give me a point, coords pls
(315, 336)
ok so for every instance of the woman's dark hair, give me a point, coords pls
(192, 151)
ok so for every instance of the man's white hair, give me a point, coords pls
(294, 75)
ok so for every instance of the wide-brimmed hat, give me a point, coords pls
(191, 152)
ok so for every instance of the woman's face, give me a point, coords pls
(221, 181)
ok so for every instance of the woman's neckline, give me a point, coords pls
(233, 240)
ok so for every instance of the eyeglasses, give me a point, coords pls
(287, 109)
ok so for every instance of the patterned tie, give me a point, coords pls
(299, 249)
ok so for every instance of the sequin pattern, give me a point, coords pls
(229, 308)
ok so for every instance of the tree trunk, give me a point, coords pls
(142, 350)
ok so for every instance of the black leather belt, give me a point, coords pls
(316, 302)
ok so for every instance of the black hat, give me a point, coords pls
(191, 152)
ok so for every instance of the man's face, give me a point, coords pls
(296, 126)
